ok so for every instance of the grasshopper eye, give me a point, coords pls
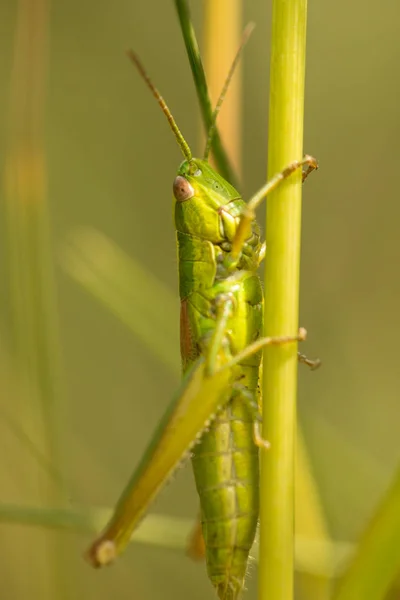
(182, 189)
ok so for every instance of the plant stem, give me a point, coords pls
(281, 301)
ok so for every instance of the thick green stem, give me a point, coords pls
(281, 301)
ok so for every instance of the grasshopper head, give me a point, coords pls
(207, 206)
(201, 201)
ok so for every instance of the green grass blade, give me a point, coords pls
(281, 302)
(165, 532)
(35, 343)
(193, 52)
(376, 563)
(128, 290)
(157, 530)
(310, 524)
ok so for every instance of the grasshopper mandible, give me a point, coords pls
(215, 412)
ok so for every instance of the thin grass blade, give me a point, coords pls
(35, 343)
(199, 77)
(131, 293)
(376, 563)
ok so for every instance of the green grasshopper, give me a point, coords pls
(215, 412)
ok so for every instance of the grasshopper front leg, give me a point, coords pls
(249, 212)
(248, 215)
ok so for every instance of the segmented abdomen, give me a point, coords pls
(225, 465)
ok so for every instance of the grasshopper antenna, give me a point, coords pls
(245, 37)
(175, 129)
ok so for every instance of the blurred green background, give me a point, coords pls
(111, 163)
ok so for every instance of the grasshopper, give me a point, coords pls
(215, 412)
